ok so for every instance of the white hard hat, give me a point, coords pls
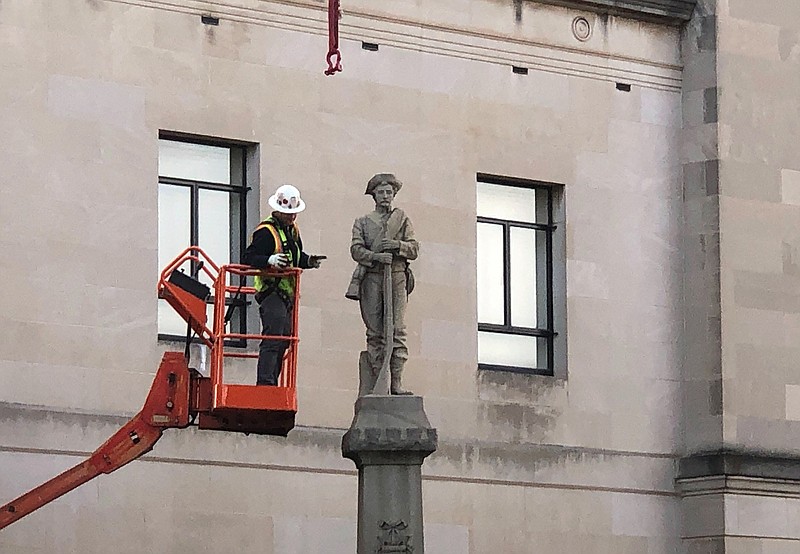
(287, 200)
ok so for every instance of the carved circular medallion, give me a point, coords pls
(581, 29)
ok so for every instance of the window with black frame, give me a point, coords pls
(515, 275)
(201, 201)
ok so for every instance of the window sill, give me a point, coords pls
(513, 369)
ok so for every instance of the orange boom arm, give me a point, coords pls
(167, 405)
(180, 394)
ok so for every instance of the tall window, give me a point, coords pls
(515, 276)
(201, 201)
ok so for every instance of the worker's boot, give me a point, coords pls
(269, 367)
(397, 373)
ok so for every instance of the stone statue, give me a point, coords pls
(383, 244)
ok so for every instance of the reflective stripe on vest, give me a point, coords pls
(283, 284)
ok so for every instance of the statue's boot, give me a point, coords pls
(396, 388)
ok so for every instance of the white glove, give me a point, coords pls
(278, 260)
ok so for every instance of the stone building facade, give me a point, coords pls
(664, 132)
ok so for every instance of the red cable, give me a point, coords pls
(334, 57)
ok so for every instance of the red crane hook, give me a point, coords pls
(334, 57)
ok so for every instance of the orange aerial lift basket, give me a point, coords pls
(180, 395)
(220, 405)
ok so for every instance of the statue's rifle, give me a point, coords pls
(382, 382)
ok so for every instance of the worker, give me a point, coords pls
(383, 237)
(276, 244)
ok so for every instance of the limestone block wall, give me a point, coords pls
(759, 219)
(586, 461)
(702, 355)
(740, 479)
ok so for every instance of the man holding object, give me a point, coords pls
(276, 244)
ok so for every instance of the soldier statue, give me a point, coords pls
(383, 244)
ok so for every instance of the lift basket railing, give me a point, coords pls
(188, 296)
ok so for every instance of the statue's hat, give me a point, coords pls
(383, 179)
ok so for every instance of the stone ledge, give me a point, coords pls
(743, 486)
(659, 11)
(41, 431)
(739, 464)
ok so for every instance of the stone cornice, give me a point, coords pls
(663, 11)
(413, 34)
(742, 486)
(739, 464)
(59, 432)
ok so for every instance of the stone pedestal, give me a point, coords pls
(388, 440)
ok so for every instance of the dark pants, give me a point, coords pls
(276, 319)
